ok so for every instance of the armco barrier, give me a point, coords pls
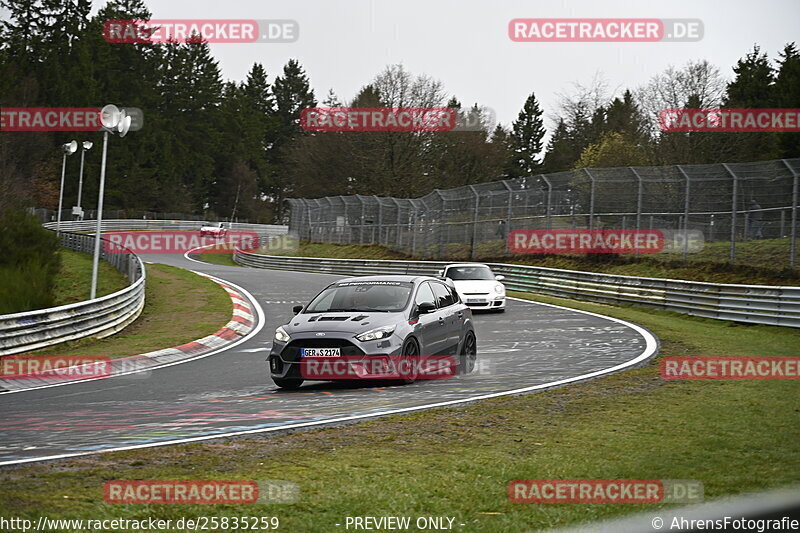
(133, 224)
(101, 317)
(756, 304)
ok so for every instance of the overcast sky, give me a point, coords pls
(343, 44)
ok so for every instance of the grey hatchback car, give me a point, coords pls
(357, 319)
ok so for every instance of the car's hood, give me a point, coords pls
(354, 322)
(475, 285)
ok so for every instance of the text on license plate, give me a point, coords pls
(320, 352)
(474, 301)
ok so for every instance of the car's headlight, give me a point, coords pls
(281, 335)
(375, 334)
(499, 289)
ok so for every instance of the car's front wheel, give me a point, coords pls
(410, 352)
(469, 354)
(288, 383)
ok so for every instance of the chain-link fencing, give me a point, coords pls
(752, 205)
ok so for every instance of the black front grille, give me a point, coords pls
(292, 350)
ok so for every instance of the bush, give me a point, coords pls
(29, 263)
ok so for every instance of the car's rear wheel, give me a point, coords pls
(288, 383)
(469, 354)
(410, 353)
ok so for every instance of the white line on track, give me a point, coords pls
(651, 346)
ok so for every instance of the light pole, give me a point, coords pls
(114, 120)
(68, 149)
(86, 145)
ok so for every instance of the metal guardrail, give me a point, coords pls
(132, 224)
(745, 512)
(755, 304)
(101, 317)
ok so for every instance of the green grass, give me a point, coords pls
(217, 259)
(74, 279)
(667, 266)
(310, 249)
(734, 436)
(180, 307)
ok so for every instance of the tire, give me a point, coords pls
(469, 354)
(410, 350)
(503, 310)
(288, 383)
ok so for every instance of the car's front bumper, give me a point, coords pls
(485, 302)
(285, 360)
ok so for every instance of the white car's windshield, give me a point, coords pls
(366, 296)
(472, 272)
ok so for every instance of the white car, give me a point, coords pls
(477, 286)
(219, 230)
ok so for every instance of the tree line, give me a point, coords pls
(235, 149)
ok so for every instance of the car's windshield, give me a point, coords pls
(469, 272)
(365, 296)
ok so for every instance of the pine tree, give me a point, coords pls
(527, 134)
(787, 95)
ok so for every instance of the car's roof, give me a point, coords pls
(467, 265)
(388, 277)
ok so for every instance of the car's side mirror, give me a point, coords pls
(297, 308)
(440, 273)
(499, 278)
(426, 307)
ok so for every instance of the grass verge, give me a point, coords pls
(75, 277)
(699, 269)
(180, 307)
(734, 436)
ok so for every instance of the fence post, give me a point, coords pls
(591, 200)
(638, 199)
(509, 214)
(474, 221)
(732, 257)
(442, 224)
(548, 217)
(412, 219)
(398, 236)
(380, 221)
(685, 214)
(363, 215)
(793, 237)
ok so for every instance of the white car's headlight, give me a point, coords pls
(499, 289)
(375, 334)
(281, 335)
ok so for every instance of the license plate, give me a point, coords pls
(474, 301)
(320, 352)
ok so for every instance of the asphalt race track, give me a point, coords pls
(529, 346)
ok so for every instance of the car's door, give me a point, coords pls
(449, 317)
(430, 327)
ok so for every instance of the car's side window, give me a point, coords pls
(454, 294)
(424, 294)
(443, 296)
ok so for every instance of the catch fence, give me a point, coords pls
(730, 203)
